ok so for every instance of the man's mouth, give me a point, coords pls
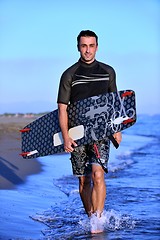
(87, 55)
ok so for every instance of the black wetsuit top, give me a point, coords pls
(83, 80)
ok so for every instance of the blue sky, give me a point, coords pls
(38, 42)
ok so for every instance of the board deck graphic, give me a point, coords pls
(90, 120)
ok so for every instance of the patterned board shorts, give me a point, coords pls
(83, 157)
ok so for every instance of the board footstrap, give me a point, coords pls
(99, 158)
(113, 140)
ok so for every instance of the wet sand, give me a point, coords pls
(13, 168)
(26, 185)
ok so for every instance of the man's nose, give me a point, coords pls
(87, 49)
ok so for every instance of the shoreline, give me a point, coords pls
(43, 198)
(27, 186)
(14, 170)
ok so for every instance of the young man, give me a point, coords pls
(84, 79)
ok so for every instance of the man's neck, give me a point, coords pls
(87, 62)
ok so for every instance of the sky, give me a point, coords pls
(38, 43)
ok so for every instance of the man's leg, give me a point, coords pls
(85, 190)
(99, 189)
(99, 186)
(93, 198)
(79, 160)
(98, 199)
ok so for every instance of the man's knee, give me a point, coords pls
(98, 176)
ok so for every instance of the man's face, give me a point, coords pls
(87, 48)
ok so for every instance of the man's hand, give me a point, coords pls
(118, 137)
(69, 145)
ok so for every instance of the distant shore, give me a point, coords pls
(13, 168)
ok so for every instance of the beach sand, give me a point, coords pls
(13, 168)
(26, 185)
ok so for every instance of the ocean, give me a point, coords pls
(53, 207)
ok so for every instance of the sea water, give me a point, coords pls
(132, 205)
(48, 206)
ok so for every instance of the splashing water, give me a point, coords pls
(67, 223)
(67, 219)
(112, 220)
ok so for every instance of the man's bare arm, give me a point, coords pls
(69, 143)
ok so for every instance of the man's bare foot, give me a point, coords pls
(96, 231)
(97, 222)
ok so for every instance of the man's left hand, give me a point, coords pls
(118, 137)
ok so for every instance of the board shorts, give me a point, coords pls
(83, 157)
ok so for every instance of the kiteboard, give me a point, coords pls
(90, 120)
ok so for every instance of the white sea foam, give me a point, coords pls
(110, 220)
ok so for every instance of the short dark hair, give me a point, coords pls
(86, 33)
